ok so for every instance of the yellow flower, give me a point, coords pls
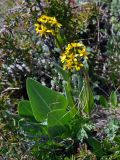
(46, 25)
(83, 53)
(43, 19)
(69, 47)
(37, 25)
(49, 20)
(43, 30)
(68, 65)
(73, 56)
(79, 66)
(51, 31)
(53, 21)
(63, 57)
(77, 45)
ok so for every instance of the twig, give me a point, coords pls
(8, 89)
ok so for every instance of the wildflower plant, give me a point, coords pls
(59, 113)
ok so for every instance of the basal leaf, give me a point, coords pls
(57, 119)
(43, 99)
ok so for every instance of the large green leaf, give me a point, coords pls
(57, 119)
(43, 99)
(25, 110)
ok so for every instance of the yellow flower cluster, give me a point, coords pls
(73, 56)
(47, 25)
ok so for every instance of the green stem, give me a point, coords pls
(58, 43)
(89, 92)
(68, 90)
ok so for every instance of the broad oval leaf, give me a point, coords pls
(43, 99)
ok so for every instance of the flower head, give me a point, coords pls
(73, 56)
(47, 25)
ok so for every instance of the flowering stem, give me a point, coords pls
(89, 93)
(68, 90)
